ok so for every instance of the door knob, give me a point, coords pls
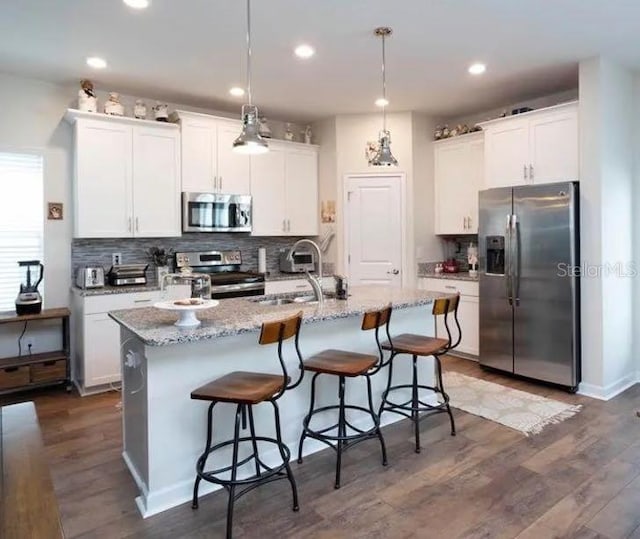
(393, 272)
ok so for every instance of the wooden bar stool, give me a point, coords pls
(246, 389)
(422, 346)
(345, 364)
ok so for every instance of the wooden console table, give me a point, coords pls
(37, 370)
(28, 505)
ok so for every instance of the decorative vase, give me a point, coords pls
(161, 271)
(87, 101)
(307, 135)
(140, 110)
(161, 112)
(113, 106)
(288, 134)
(263, 128)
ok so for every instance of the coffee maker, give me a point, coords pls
(29, 300)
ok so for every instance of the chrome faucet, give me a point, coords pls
(315, 282)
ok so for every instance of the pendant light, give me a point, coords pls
(384, 157)
(249, 141)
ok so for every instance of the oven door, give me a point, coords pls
(209, 212)
(237, 290)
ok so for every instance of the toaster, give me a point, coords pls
(90, 277)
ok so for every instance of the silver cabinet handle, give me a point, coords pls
(284, 225)
(215, 183)
(137, 225)
(129, 224)
(464, 223)
(301, 286)
(469, 222)
(220, 182)
(531, 172)
(142, 301)
(449, 287)
(288, 225)
(524, 173)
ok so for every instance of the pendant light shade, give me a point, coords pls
(384, 157)
(249, 142)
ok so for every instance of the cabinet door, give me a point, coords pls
(102, 190)
(268, 192)
(156, 182)
(234, 170)
(476, 183)
(101, 350)
(452, 176)
(301, 186)
(468, 316)
(554, 146)
(507, 153)
(199, 147)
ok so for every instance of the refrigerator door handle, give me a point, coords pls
(507, 262)
(515, 238)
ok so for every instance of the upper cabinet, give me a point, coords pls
(459, 167)
(536, 147)
(209, 164)
(284, 186)
(127, 177)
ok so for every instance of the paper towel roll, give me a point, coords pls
(262, 260)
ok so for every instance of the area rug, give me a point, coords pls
(513, 408)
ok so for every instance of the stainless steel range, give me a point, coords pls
(227, 281)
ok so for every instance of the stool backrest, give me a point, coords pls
(278, 332)
(444, 307)
(375, 320)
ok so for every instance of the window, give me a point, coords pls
(21, 220)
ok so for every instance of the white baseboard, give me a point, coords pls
(608, 392)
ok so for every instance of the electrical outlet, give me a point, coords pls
(116, 258)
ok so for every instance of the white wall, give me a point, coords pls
(636, 211)
(607, 178)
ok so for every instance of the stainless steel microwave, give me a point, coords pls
(211, 212)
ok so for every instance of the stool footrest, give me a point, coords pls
(210, 475)
(315, 433)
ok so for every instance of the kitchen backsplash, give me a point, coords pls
(98, 252)
(455, 247)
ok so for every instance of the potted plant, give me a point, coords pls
(161, 258)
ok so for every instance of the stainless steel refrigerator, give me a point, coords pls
(528, 241)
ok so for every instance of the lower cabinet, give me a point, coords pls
(468, 312)
(97, 350)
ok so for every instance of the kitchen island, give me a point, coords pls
(164, 430)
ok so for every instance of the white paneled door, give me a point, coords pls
(374, 230)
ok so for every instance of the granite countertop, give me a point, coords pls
(460, 276)
(109, 290)
(234, 316)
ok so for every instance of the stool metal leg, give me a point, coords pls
(415, 404)
(305, 422)
(234, 470)
(285, 458)
(445, 396)
(201, 461)
(385, 393)
(376, 420)
(252, 428)
(342, 431)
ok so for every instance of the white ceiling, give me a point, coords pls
(191, 51)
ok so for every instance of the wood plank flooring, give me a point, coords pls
(577, 479)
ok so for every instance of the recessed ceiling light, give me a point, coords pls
(382, 102)
(137, 4)
(477, 68)
(304, 51)
(236, 91)
(96, 63)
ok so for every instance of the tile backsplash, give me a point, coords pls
(134, 250)
(452, 246)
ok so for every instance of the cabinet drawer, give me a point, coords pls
(14, 377)
(451, 286)
(114, 302)
(290, 286)
(49, 371)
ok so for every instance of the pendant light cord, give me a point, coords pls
(384, 85)
(249, 50)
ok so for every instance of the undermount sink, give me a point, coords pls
(287, 301)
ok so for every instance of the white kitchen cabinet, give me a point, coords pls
(96, 358)
(284, 186)
(156, 183)
(209, 164)
(291, 286)
(535, 147)
(127, 177)
(459, 169)
(468, 312)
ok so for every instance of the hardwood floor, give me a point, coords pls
(577, 479)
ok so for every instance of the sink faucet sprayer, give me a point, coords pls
(315, 282)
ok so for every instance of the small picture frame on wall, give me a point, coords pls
(54, 211)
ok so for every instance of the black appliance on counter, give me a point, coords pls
(127, 275)
(29, 300)
(223, 267)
